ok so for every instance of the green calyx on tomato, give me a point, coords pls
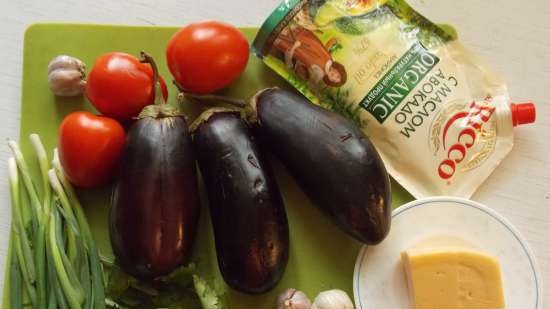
(120, 86)
(207, 56)
(89, 148)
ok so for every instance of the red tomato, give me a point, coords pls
(207, 56)
(120, 86)
(89, 148)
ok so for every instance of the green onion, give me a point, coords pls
(68, 212)
(40, 260)
(85, 281)
(52, 300)
(44, 167)
(60, 296)
(70, 271)
(98, 284)
(70, 293)
(54, 260)
(27, 181)
(16, 294)
(40, 238)
(21, 241)
(54, 282)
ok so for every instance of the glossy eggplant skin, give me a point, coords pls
(331, 159)
(246, 207)
(155, 203)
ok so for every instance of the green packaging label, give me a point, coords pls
(398, 82)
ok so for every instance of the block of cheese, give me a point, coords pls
(452, 278)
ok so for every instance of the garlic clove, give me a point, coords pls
(332, 299)
(293, 299)
(66, 76)
(66, 62)
(66, 83)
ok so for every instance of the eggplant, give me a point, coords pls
(155, 203)
(331, 159)
(248, 215)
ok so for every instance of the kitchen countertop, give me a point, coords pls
(510, 35)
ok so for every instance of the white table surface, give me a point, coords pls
(513, 36)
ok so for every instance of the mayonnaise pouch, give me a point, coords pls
(438, 115)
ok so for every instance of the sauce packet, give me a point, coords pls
(438, 115)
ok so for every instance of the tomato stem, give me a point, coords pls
(146, 58)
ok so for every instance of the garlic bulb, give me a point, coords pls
(332, 299)
(66, 76)
(293, 299)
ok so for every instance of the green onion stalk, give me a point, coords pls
(40, 238)
(93, 253)
(16, 293)
(32, 212)
(21, 243)
(54, 260)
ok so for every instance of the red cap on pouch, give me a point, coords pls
(523, 113)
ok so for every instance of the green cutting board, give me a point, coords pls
(321, 256)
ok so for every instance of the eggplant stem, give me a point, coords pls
(239, 103)
(205, 115)
(146, 58)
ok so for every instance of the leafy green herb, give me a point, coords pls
(208, 297)
(182, 289)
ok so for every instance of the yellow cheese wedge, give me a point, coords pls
(452, 278)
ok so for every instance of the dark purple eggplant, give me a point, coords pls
(155, 204)
(331, 159)
(247, 210)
